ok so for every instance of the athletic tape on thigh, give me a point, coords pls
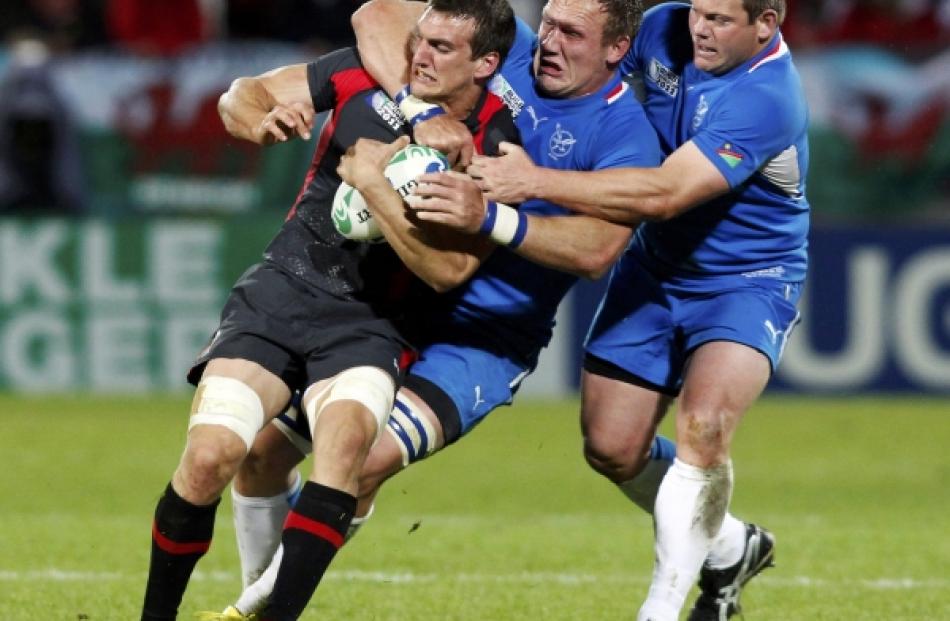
(413, 432)
(370, 386)
(230, 403)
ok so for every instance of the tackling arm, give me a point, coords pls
(626, 195)
(579, 245)
(442, 257)
(382, 29)
(269, 108)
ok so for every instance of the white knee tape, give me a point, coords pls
(230, 403)
(414, 434)
(370, 386)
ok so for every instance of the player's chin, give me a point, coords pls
(424, 89)
(710, 63)
(552, 85)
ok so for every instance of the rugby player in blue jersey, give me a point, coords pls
(480, 340)
(703, 301)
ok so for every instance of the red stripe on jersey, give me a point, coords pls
(318, 529)
(406, 358)
(349, 82)
(346, 83)
(615, 91)
(776, 51)
(175, 547)
(323, 143)
(492, 105)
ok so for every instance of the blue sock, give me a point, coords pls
(663, 448)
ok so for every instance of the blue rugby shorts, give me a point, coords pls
(648, 325)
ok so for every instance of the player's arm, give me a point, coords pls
(626, 195)
(269, 108)
(735, 142)
(383, 31)
(577, 244)
(441, 256)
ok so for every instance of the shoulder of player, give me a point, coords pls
(339, 60)
(765, 103)
(773, 87)
(622, 105)
(663, 35)
(344, 67)
(623, 126)
(659, 19)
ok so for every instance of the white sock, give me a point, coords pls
(254, 597)
(729, 544)
(689, 512)
(258, 523)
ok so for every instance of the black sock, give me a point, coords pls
(181, 534)
(313, 533)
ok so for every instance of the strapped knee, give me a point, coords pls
(229, 403)
(373, 388)
(414, 434)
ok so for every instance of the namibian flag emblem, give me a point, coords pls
(729, 156)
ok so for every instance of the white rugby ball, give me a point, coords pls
(353, 219)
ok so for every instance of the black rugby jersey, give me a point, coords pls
(308, 246)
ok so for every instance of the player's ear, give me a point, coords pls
(486, 65)
(617, 50)
(765, 25)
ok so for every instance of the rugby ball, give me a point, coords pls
(350, 215)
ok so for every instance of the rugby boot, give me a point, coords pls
(230, 614)
(720, 588)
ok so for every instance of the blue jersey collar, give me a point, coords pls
(775, 49)
(608, 93)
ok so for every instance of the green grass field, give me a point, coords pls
(512, 525)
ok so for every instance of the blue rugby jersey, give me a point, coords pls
(605, 129)
(751, 123)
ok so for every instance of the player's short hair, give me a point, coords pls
(756, 7)
(494, 23)
(623, 18)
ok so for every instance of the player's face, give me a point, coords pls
(723, 38)
(572, 57)
(442, 68)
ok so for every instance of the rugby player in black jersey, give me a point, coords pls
(319, 313)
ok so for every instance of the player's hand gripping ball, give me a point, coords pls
(353, 219)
